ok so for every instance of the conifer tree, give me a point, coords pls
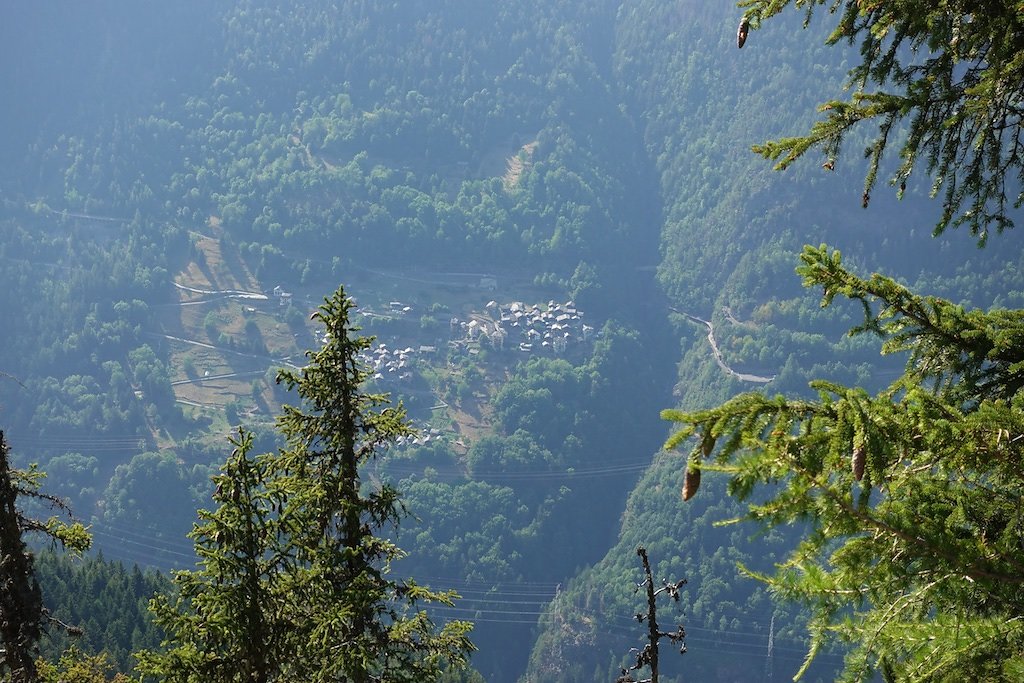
(912, 499)
(77, 667)
(944, 81)
(293, 580)
(22, 615)
(353, 623)
(228, 621)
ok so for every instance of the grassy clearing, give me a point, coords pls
(247, 335)
(215, 267)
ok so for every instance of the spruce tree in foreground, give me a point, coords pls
(912, 499)
(22, 615)
(943, 82)
(228, 621)
(293, 577)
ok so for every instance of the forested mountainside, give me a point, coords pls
(732, 229)
(542, 208)
(107, 600)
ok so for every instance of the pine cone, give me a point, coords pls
(691, 483)
(742, 31)
(857, 459)
(707, 444)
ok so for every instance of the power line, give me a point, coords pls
(140, 544)
(167, 543)
(498, 604)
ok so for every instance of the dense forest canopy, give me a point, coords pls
(181, 184)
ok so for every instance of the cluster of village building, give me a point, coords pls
(529, 328)
(526, 328)
(516, 326)
(390, 364)
(422, 437)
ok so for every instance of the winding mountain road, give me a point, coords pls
(743, 376)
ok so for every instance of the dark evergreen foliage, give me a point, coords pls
(293, 575)
(22, 615)
(948, 94)
(107, 599)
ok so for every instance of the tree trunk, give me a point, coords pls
(21, 603)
